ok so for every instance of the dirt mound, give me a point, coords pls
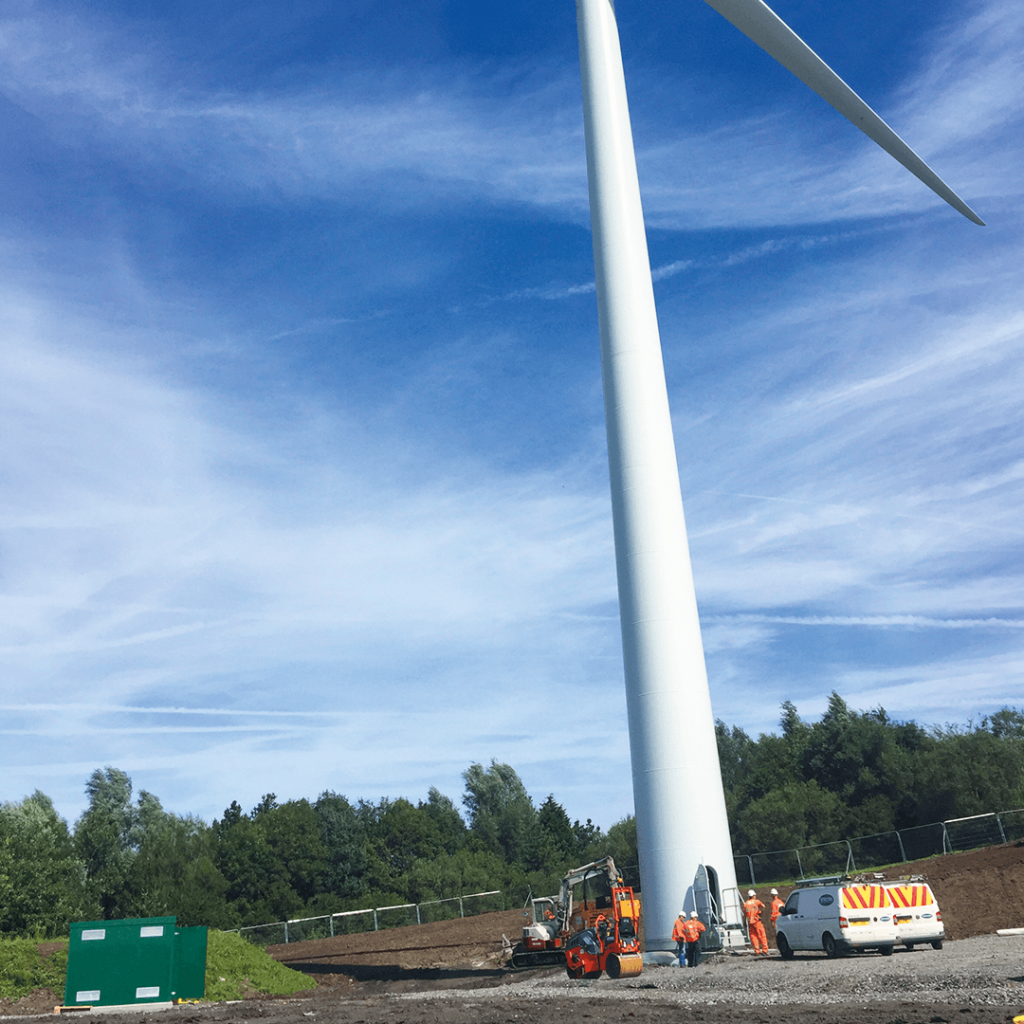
(978, 892)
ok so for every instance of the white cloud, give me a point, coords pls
(158, 562)
(515, 137)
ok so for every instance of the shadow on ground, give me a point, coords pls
(392, 972)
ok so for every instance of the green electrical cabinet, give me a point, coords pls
(143, 960)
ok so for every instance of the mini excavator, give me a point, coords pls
(590, 936)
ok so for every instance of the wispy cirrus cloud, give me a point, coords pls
(410, 142)
(404, 141)
(155, 553)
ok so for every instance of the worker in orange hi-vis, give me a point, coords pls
(752, 908)
(692, 930)
(678, 937)
(776, 907)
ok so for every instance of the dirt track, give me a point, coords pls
(452, 973)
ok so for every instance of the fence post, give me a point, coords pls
(461, 911)
(947, 846)
(286, 933)
(903, 853)
(849, 858)
(799, 863)
(375, 919)
(750, 861)
(417, 913)
(999, 822)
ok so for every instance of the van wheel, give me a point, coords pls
(937, 944)
(885, 950)
(830, 946)
(784, 948)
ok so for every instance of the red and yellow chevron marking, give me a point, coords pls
(910, 895)
(865, 897)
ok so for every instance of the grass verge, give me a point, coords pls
(234, 969)
(23, 968)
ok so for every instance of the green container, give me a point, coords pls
(143, 960)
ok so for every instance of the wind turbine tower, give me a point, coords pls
(686, 857)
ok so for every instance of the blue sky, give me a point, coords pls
(304, 468)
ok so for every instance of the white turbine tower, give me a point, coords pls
(683, 833)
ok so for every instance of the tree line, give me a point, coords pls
(858, 773)
(128, 857)
(852, 773)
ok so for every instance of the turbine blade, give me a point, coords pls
(758, 21)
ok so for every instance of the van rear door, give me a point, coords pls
(868, 915)
(915, 912)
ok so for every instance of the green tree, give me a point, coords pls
(448, 876)
(42, 879)
(792, 725)
(621, 844)
(853, 756)
(735, 751)
(450, 826)
(397, 834)
(342, 835)
(1005, 724)
(970, 771)
(292, 831)
(501, 814)
(797, 814)
(588, 836)
(554, 841)
(174, 872)
(258, 887)
(104, 839)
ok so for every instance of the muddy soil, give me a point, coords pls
(454, 972)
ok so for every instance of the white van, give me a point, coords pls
(838, 916)
(915, 912)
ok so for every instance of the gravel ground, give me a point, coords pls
(987, 970)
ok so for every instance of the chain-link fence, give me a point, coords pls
(907, 844)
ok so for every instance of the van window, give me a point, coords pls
(791, 903)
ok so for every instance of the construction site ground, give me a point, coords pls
(454, 972)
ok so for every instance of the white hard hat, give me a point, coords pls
(775, 892)
(682, 913)
(693, 913)
(750, 892)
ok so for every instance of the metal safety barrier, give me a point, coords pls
(347, 922)
(903, 845)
